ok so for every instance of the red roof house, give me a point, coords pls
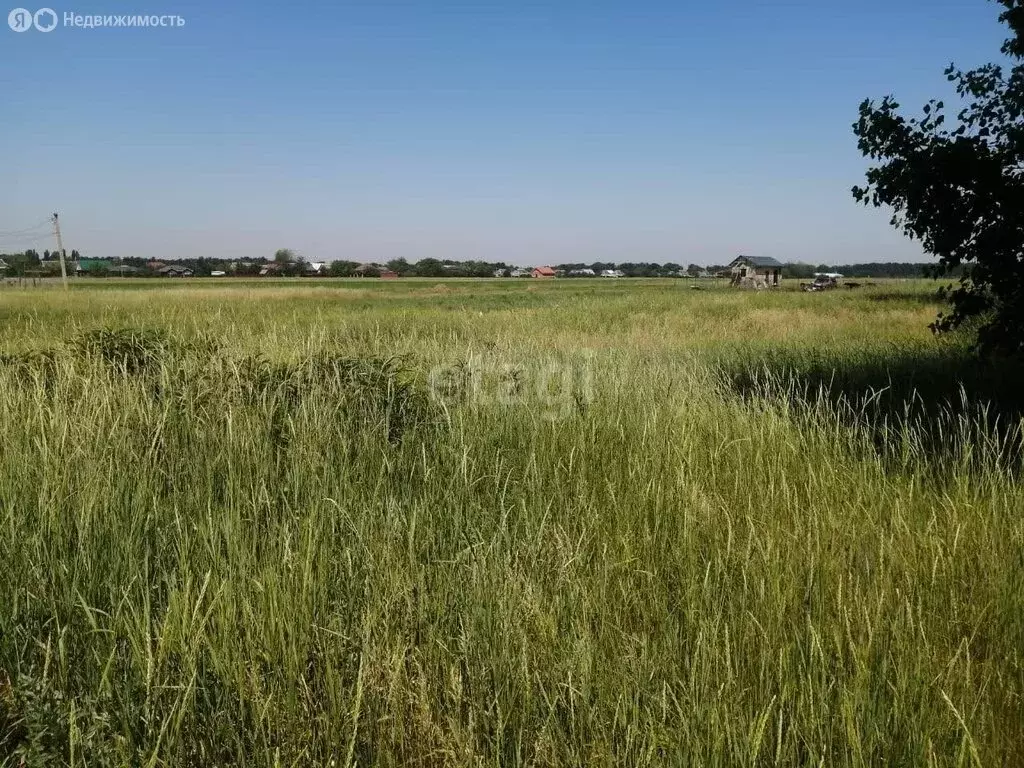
(542, 272)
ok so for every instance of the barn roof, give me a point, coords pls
(758, 261)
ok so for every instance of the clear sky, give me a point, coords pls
(519, 130)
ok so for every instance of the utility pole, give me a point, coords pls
(60, 250)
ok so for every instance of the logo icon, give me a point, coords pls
(45, 19)
(20, 20)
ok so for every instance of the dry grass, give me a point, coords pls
(504, 523)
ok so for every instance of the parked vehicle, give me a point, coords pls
(821, 283)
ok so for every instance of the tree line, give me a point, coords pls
(285, 263)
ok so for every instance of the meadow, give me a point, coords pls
(504, 522)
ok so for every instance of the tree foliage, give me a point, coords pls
(342, 268)
(958, 186)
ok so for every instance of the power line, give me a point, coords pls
(30, 235)
(26, 230)
(23, 243)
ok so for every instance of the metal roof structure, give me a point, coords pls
(758, 261)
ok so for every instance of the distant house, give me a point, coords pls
(499, 272)
(174, 270)
(519, 272)
(582, 272)
(757, 272)
(316, 268)
(542, 272)
(275, 269)
(218, 273)
(388, 274)
(612, 273)
(4, 266)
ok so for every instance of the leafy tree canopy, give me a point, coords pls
(958, 186)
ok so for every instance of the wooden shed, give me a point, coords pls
(756, 272)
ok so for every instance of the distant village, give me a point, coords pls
(751, 271)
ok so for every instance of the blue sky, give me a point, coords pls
(528, 132)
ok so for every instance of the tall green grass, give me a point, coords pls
(261, 534)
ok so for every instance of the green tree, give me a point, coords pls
(289, 263)
(401, 267)
(800, 271)
(342, 268)
(430, 268)
(958, 187)
(21, 263)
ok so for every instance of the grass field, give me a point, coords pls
(482, 523)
